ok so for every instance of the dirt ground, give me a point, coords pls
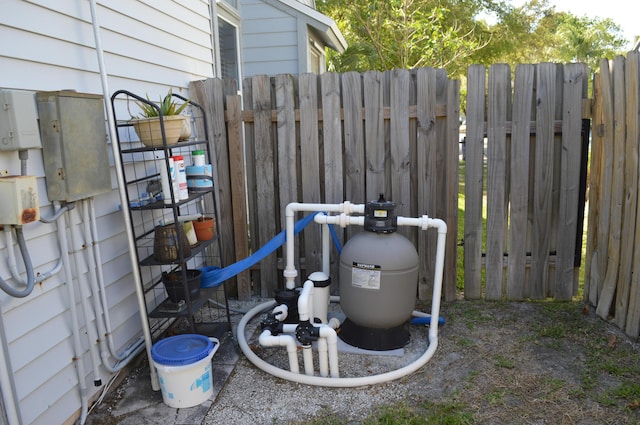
(496, 363)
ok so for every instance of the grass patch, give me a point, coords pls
(504, 362)
(424, 413)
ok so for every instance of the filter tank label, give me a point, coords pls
(366, 276)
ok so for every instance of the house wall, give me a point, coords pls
(52, 47)
(269, 40)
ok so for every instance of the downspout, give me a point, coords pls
(142, 306)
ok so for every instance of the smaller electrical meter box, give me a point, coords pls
(74, 144)
(19, 196)
(18, 120)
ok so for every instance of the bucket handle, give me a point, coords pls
(216, 345)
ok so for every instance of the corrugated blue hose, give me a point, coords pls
(425, 321)
(217, 276)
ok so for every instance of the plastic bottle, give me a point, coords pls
(167, 180)
(197, 158)
(183, 191)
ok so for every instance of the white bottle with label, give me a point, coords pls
(167, 180)
(181, 177)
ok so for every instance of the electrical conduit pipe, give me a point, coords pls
(424, 223)
(11, 257)
(95, 276)
(91, 333)
(73, 309)
(133, 256)
(136, 347)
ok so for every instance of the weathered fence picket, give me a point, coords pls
(519, 181)
(330, 138)
(335, 137)
(474, 181)
(533, 164)
(613, 257)
(499, 112)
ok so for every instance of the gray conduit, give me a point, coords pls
(28, 266)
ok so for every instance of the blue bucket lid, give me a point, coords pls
(181, 350)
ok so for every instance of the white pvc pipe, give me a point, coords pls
(329, 335)
(324, 381)
(93, 281)
(323, 357)
(424, 223)
(307, 358)
(8, 393)
(134, 349)
(268, 340)
(341, 220)
(96, 279)
(327, 342)
(75, 332)
(305, 305)
(290, 272)
(281, 312)
(133, 252)
(82, 284)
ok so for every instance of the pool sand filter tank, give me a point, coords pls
(378, 283)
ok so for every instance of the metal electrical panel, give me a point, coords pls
(19, 196)
(74, 144)
(18, 120)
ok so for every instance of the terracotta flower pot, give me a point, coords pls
(204, 227)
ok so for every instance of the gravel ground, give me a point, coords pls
(496, 363)
(500, 363)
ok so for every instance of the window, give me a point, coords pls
(317, 62)
(228, 39)
(232, 3)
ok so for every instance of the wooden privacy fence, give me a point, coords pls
(612, 275)
(326, 139)
(527, 145)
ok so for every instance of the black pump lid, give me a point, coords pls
(380, 216)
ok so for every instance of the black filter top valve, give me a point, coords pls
(306, 333)
(380, 216)
(271, 323)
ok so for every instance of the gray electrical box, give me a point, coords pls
(74, 144)
(18, 120)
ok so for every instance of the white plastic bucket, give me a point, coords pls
(183, 363)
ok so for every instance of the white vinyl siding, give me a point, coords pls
(149, 46)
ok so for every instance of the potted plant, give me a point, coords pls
(147, 124)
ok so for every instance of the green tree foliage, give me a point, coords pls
(452, 34)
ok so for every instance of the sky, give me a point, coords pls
(625, 13)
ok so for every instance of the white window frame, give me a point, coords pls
(222, 9)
